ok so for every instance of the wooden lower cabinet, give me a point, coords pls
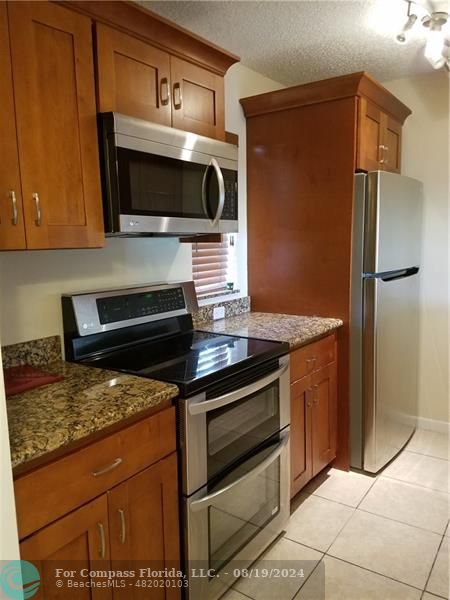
(135, 525)
(143, 518)
(313, 421)
(301, 463)
(323, 417)
(78, 541)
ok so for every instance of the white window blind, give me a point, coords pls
(210, 263)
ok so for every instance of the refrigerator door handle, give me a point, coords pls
(393, 275)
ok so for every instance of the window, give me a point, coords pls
(214, 266)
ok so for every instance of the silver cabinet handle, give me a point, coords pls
(199, 407)
(177, 93)
(108, 469)
(208, 500)
(215, 165)
(382, 149)
(101, 533)
(123, 526)
(37, 204)
(164, 91)
(15, 214)
(315, 394)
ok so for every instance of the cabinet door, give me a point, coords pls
(392, 136)
(133, 77)
(324, 417)
(12, 230)
(301, 465)
(370, 136)
(78, 541)
(143, 516)
(197, 99)
(53, 74)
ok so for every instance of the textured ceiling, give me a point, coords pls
(306, 40)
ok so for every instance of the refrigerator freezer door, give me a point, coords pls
(390, 364)
(392, 222)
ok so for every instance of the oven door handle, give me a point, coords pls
(198, 407)
(215, 165)
(203, 503)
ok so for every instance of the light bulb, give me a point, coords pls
(435, 46)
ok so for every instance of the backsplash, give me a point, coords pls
(232, 308)
(35, 352)
(46, 350)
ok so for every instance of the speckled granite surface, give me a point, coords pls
(36, 352)
(233, 307)
(86, 401)
(296, 330)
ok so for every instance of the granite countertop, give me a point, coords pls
(294, 329)
(87, 401)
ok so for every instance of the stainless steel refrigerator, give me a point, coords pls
(384, 316)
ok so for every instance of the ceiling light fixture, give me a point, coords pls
(402, 37)
(436, 38)
(435, 23)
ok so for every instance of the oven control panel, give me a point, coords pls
(134, 306)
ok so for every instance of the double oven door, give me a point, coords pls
(235, 452)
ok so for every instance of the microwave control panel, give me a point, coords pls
(133, 306)
(230, 208)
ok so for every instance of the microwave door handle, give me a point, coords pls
(199, 407)
(215, 165)
(221, 183)
(203, 503)
(205, 208)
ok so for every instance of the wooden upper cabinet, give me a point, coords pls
(197, 99)
(78, 541)
(392, 130)
(370, 136)
(379, 139)
(12, 229)
(53, 75)
(133, 77)
(137, 79)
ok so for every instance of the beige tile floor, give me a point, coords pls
(369, 538)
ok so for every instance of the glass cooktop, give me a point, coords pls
(192, 360)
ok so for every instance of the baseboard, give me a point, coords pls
(433, 425)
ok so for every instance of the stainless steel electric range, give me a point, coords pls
(233, 418)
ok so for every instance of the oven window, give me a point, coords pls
(159, 186)
(240, 427)
(236, 518)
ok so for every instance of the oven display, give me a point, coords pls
(134, 306)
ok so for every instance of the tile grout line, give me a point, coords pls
(401, 522)
(433, 563)
(374, 572)
(370, 513)
(310, 575)
(417, 484)
(423, 454)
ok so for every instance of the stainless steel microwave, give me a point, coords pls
(163, 181)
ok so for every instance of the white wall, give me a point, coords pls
(9, 547)
(31, 283)
(426, 157)
(240, 82)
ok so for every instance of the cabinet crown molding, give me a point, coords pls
(346, 86)
(129, 17)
